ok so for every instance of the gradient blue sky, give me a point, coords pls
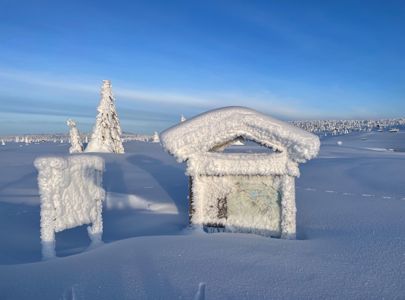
(291, 59)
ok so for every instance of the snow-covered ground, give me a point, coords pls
(350, 222)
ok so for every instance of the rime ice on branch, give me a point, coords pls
(107, 132)
(75, 141)
(71, 196)
(241, 192)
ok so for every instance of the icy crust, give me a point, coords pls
(208, 130)
(71, 195)
(218, 164)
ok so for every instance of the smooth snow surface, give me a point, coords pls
(195, 135)
(350, 221)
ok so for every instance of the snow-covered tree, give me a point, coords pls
(107, 132)
(3, 143)
(155, 137)
(75, 142)
(182, 118)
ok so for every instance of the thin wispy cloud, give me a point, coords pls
(292, 60)
(199, 100)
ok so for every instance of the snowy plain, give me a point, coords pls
(350, 227)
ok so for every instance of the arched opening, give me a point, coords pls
(244, 145)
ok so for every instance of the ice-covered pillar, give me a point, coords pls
(288, 208)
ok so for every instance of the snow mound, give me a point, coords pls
(208, 130)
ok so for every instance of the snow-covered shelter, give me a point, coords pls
(241, 192)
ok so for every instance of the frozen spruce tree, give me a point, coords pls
(76, 145)
(106, 135)
(155, 137)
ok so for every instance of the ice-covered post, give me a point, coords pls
(71, 196)
(106, 136)
(288, 208)
(75, 141)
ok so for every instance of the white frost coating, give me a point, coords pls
(288, 208)
(241, 192)
(107, 132)
(71, 196)
(75, 141)
(155, 137)
(241, 163)
(195, 135)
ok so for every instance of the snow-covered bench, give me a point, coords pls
(71, 196)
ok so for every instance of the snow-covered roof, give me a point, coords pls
(217, 127)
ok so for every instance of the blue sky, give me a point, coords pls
(290, 59)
